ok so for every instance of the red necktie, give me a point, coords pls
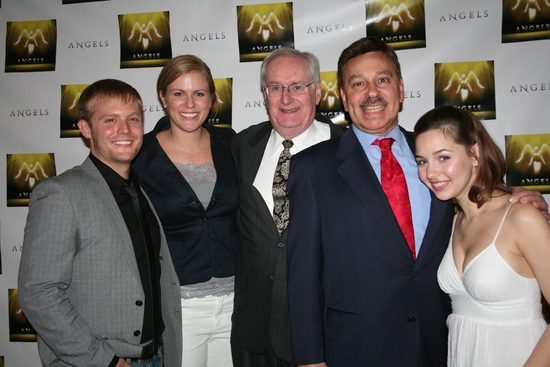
(395, 187)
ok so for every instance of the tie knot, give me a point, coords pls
(384, 144)
(288, 144)
(131, 186)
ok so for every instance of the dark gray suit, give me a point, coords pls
(357, 297)
(79, 283)
(260, 315)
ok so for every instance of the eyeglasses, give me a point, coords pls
(276, 90)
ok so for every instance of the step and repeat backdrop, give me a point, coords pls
(490, 57)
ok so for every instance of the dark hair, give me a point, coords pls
(467, 130)
(183, 64)
(106, 89)
(364, 46)
(312, 62)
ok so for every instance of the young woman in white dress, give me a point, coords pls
(498, 259)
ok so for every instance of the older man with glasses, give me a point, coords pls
(291, 86)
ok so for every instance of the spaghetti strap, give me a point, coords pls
(501, 222)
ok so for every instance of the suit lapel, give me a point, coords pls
(112, 211)
(251, 163)
(437, 216)
(157, 161)
(357, 171)
(220, 159)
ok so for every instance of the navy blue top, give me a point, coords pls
(203, 242)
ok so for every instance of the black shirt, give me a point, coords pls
(124, 200)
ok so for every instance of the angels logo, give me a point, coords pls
(525, 20)
(24, 172)
(70, 94)
(400, 23)
(263, 24)
(20, 328)
(468, 85)
(528, 161)
(464, 84)
(32, 39)
(531, 7)
(534, 157)
(221, 111)
(144, 34)
(263, 28)
(393, 14)
(330, 93)
(331, 104)
(144, 39)
(31, 45)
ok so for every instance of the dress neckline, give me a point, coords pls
(492, 243)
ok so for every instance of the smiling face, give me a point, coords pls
(187, 101)
(445, 166)
(372, 93)
(115, 133)
(291, 115)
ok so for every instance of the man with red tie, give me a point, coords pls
(366, 236)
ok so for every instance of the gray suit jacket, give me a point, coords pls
(78, 279)
(260, 314)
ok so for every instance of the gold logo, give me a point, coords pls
(528, 161)
(393, 15)
(464, 85)
(530, 8)
(331, 104)
(70, 94)
(31, 45)
(399, 23)
(263, 28)
(20, 328)
(220, 114)
(24, 172)
(468, 85)
(144, 39)
(525, 20)
(533, 157)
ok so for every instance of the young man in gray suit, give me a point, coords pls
(291, 86)
(96, 280)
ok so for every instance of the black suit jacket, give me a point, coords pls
(203, 242)
(260, 314)
(356, 296)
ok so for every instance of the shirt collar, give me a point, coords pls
(367, 139)
(113, 179)
(276, 140)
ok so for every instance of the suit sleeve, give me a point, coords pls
(45, 272)
(304, 267)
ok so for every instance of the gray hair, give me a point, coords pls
(313, 68)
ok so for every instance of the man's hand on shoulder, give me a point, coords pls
(530, 196)
(314, 365)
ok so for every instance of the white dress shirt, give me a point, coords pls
(263, 182)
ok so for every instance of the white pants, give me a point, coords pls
(206, 331)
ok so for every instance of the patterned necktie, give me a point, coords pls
(280, 196)
(395, 187)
